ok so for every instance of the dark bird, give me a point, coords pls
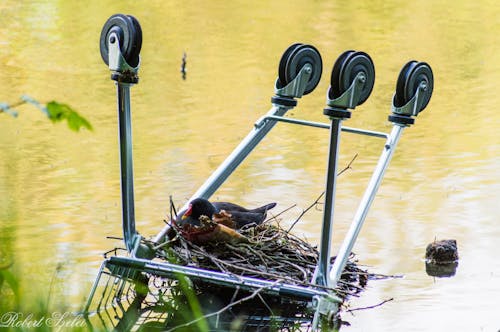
(240, 215)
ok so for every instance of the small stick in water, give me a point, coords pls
(183, 66)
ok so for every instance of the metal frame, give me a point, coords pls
(322, 297)
(364, 205)
(224, 279)
(337, 110)
(119, 66)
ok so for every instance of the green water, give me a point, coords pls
(59, 190)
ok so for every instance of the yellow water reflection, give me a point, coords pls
(60, 190)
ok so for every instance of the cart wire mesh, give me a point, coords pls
(128, 299)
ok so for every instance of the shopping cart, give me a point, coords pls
(138, 290)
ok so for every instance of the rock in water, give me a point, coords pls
(442, 252)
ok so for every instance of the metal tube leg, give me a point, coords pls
(364, 206)
(321, 273)
(233, 160)
(125, 142)
(238, 155)
(94, 288)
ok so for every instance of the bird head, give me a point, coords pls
(199, 207)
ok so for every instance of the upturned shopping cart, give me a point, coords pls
(131, 285)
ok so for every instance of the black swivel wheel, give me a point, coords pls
(347, 66)
(294, 59)
(412, 75)
(129, 32)
(284, 58)
(335, 91)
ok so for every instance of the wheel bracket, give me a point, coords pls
(351, 97)
(121, 71)
(414, 106)
(297, 86)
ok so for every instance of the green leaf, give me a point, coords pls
(59, 112)
(55, 111)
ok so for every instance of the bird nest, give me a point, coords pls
(265, 251)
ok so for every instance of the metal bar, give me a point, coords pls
(321, 273)
(237, 156)
(293, 121)
(130, 315)
(126, 168)
(365, 132)
(108, 292)
(248, 283)
(364, 205)
(322, 125)
(232, 161)
(94, 288)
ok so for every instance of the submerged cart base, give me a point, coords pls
(134, 288)
(138, 293)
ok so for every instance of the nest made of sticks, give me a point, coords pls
(267, 252)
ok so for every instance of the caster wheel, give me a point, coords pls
(409, 79)
(129, 33)
(284, 58)
(292, 61)
(137, 39)
(345, 70)
(334, 78)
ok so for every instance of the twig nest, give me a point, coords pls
(442, 252)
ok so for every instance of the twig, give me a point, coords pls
(316, 202)
(172, 209)
(378, 276)
(112, 250)
(214, 259)
(274, 216)
(183, 65)
(229, 306)
(348, 165)
(305, 211)
(114, 238)
(161, 245)
(16, 104)
(271, 312)
(371, 307)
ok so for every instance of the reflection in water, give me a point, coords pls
(60, 190)
(441, 270)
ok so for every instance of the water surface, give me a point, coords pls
(60, 190)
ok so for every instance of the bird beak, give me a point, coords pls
(188, 212)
